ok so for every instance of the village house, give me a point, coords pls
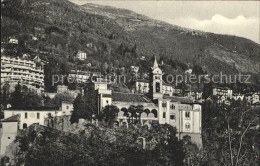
(28, 116)
(79, 76)
(252, 98)
(134, 69)
(66, 107)
(188, 71)
(238, 96)
(10, 127)
(81, 55)
(13, 40)
(220, 91)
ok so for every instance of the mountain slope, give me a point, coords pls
(156, 37)
(119, 37)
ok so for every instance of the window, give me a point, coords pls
(157, 86)
(24, 126)
(187, 115)
(164, 115)
(163, 104)
(68, 107)
(38, 115)
(172, 106)
(25, 115)
(172, 117)
(187, 126)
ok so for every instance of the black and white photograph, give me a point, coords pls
(130, 83)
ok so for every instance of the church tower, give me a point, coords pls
(156, 81)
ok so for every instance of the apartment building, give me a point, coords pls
(14, 70)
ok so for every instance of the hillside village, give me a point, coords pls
(63, 82)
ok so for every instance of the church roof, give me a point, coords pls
(14, 118)
(142, 80)
(155, 64)
(179, 99)
(128, 97)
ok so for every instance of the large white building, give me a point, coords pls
(180, 112)
(14, 70)
(28, 117)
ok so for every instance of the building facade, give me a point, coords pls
(66, 107)
(14, 70)
(28, 117)
(81, 55)
(181, 112)
(10, 127)
(219, 91)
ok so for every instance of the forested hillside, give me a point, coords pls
(115, 38)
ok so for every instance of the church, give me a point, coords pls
(159, 105)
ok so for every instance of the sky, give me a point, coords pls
(240, 18)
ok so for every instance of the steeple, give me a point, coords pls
(155, 64)
(156, 81)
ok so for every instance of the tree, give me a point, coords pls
(139, 110)
(32, 99)
(1, 111)
(5, 95)
(231, 137)
(105, 68)
(58, 98)
(17, 97)
(109, 114)
(79, 109)
(91, 98)
(101, 145)
(132, 111)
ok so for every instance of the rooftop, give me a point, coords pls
(142, 80)
(34, 109)
(14, 118)
(128, 97)
(179, 99)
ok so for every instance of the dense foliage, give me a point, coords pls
(230, 134)
(108, 43)
(102, 146)
(23, 97)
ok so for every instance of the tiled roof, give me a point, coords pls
(179, 99)
(128, 97)
(142, 80)
(34, 109)
(222, 88)
(14, 118)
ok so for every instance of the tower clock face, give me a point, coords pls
(32, 115)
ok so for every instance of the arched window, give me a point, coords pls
(24, 126)
(154, 111)
(187, 127)
(147, 111)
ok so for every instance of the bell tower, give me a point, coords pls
(156, 81)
